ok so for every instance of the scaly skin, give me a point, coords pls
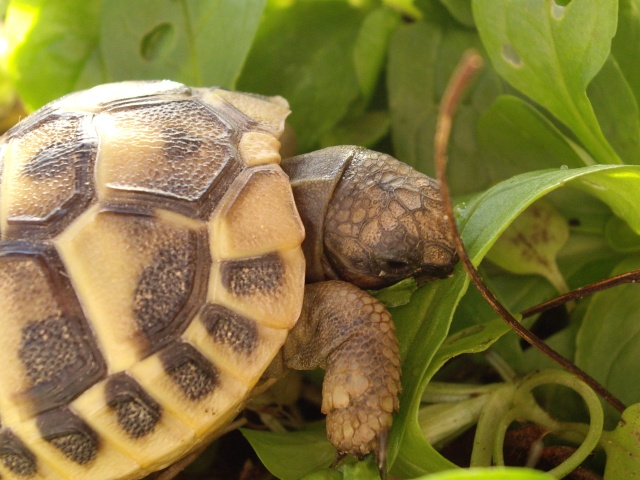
(350, 334)
(371, 221)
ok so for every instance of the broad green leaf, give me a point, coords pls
(626, 44)
(422, 325)
(366, 470)
(495, 473)
(551, 54)
(481, 222)
(398, 294)
(621, 237)
(370, 49)
(191, 41)
(460, 10)
(50, 45)
(292, 455)
(609, 338)
(514, 138)
(61, 46)
(422, 56)
(365, 130)
(620, 190)
(530, 244)
(326, 474)
(297, 55)
(623, 447)
(615, 105)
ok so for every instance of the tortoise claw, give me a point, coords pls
(381, 453)
(340, 456)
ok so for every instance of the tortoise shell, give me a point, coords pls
(150, 270)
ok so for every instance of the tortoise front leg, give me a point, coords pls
(350, 334)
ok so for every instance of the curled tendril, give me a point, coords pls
(527, 409)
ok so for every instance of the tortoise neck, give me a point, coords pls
(314, 177)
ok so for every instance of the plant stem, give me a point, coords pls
(469, 65)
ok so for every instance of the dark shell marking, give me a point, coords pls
(250, 276)
(61, 170)
(69, 434)
(230, 328)
(136, 411)
(15, 456)
(58, 359)
(190, 370)
(59, 353)
(171, 288)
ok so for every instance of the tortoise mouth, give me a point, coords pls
(435, 272)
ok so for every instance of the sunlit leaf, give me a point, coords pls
(496, 473)
(623, 447)
(530, 244)
(50, 44)
(571, 44)
(194, 42)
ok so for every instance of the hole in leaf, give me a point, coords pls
(511, 56)
(156, 42)
(558, 9)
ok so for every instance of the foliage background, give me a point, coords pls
(557, 104)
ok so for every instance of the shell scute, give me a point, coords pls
(128, 214)
(175, 152)
(47, 176)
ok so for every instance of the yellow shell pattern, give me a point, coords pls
(150, 270)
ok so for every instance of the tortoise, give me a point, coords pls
(158, 262)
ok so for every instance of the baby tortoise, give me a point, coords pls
(153, 261)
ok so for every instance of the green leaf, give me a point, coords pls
(609, 338)
(495, 473)
(365, 130)
(194, 42)
(61, 46)
(481, 221)
(366, 470)
(292, 455)
(626, 44)
(50, 44)
(460, 10)
(422, 325)
(370, 49)
(623, 447)
(571, 44)
(531, 243)
(621, 237)
(326, 474)
(514, 138)
(422, 56)
(619, 189)
(298, 56)
(398, 294)
(615, 105)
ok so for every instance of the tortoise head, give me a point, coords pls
(385, 222)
